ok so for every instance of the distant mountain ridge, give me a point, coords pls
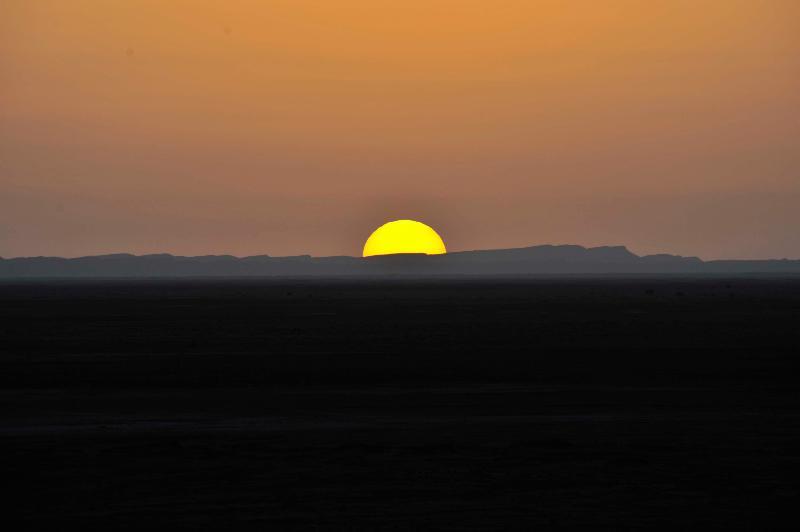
(544, 259)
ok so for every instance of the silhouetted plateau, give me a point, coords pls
(515, 262)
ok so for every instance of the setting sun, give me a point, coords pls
(404, 236)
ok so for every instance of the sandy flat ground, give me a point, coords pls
(397, 405)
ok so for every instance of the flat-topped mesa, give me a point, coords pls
(533, 260)
(552, 253)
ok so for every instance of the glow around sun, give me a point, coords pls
(404, 236)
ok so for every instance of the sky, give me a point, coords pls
(287, 127)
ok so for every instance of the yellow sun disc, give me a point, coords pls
(404, 236)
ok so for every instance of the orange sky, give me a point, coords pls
(295, 126)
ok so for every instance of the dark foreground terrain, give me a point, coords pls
(401, 405)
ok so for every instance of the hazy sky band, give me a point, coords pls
(286, 127)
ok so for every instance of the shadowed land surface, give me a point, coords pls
(398, 405)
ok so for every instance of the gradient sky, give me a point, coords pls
(296, 126)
